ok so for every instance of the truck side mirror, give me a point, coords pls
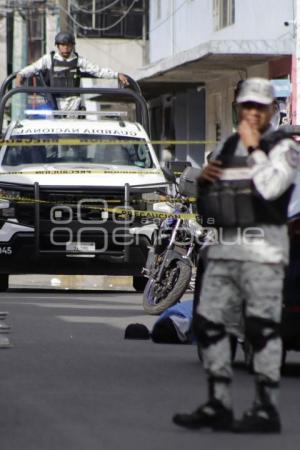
(169, 175)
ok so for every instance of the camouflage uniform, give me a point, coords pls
(225, 284)
(246, 274)
(244, 271)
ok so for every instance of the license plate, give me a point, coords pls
(82, 247)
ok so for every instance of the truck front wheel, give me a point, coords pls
(3, 282)
(139, 283)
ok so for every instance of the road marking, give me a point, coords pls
(117, 322)
(82, 306)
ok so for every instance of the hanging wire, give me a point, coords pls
(97, 28)
(76, 6)
(90, 42)
(122, 18)
(84, 27)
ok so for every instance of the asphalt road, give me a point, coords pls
(71, 381)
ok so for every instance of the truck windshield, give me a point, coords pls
(125, 153)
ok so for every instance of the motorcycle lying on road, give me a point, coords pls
(175, 249)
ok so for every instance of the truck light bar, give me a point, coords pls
(49, 112)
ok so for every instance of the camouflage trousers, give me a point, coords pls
(232, 290)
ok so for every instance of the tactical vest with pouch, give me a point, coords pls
(233, 200)
(64, 74)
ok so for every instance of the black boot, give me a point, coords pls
(211, 415)
(263, 417)
(259, 419)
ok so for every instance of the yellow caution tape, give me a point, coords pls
(87, 172)
(152, 214)
(28, 142)
(83, 171)
(116, 210)
(164, 199)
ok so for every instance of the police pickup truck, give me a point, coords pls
(74, 187)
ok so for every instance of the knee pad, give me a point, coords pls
(207, 332)
(259, 331)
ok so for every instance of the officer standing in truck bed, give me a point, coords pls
(63, 68)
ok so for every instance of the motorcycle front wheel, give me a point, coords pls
(158, 296)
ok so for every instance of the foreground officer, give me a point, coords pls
(245, 190)
(63, 69)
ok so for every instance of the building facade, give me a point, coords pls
(188, 55)
(198, 52)
(112, 34)
(108, 33)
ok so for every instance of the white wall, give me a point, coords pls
(118, 54)
(219, 98)
(184, 27)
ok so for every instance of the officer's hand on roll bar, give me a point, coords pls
(19, 80)
(123, 79)
(211, 172)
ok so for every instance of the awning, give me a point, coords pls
(210, 61)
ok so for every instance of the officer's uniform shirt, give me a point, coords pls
(45, 62)
(84, 65)
(272, 175)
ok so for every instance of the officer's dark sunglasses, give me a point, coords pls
(254, 105)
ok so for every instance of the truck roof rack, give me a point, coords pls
(131, 94)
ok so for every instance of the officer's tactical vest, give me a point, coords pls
(64, 73)
(233, 200)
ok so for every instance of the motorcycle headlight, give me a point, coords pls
(195, 227)
(163, 207)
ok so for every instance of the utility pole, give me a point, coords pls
(145, 43)
(20, 57)
(63, 15)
